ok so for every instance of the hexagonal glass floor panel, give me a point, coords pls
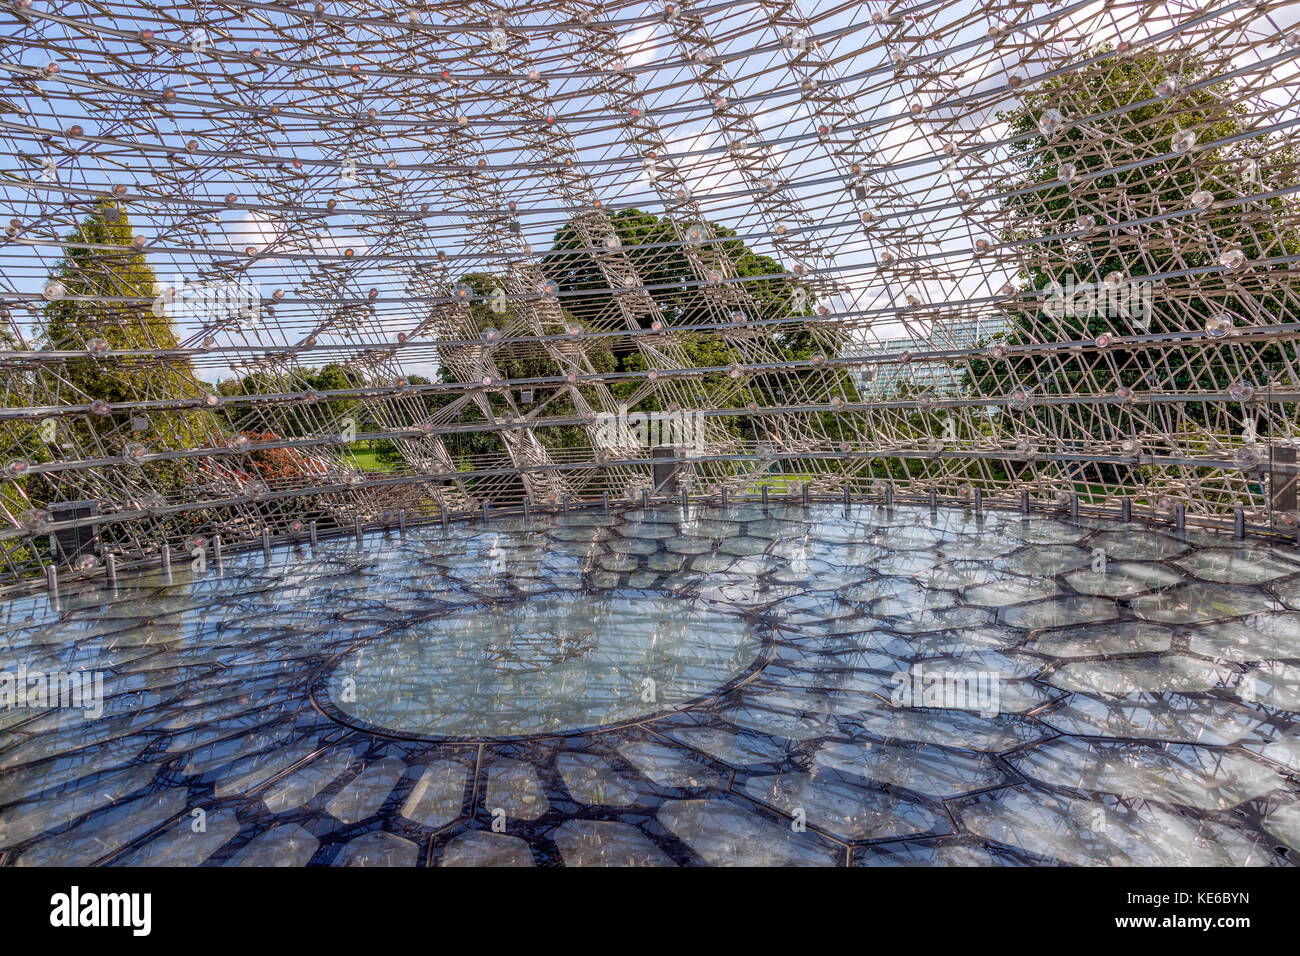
(812, 685)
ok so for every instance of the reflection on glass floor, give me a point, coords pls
(790, 685)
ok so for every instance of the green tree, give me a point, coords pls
(1109, 146)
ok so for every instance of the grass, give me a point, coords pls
(367, 460)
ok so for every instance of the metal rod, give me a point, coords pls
(356, 527)
(485, 511)
(686, 499)
(765, 496)
(645, 498)
(1239, 523)
(216, 551)
(1180, 517)
(566, 507)
(1126, 509)
(443, 513)
(604, 502)
(1074, 506)
(401, 520)
(525, 509)
(52, 582)
(724, 497)
(979, 500)
(311, 530)
(110, 568)
(889, 497)
(1024, 501)
(167, 563)
(846, 496)
(934, 498)
(266, 543)
(804, 491)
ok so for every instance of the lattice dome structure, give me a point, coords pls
(278, 265)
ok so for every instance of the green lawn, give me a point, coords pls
(366, 460)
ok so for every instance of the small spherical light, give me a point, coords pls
(17, 467)
(54, 290)
(1232, 259)
(135, 452)
(1020, 397)
(212, 401)
(97, 346)
(1218, 325)
(1124, 394)
(1202, 199)
(231, 199)
(1182, 141)
(490, 335)
(35, 520)
(996, 351)
(1102, 341)
(1246, 456)
(1241, 391)
(1050, 121)
(1130, 446)
(1067, 172)
(99, 407)
(1026, 448)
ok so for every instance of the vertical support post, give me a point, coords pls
(1074, 506)
(110, 568)
(566, 507)
(846, 496)
(934, 499)
(1180, 518)
(52, 582)
(604, 502)
(889, 497)
(356, 527)
(765, 496)
(804, 492)
(167, 563)
(686, 500)
(979, 500)
(1024, 501)
(645, 499)
(315, 538)
(1239, 524)
(485, 512)
(724, 497)
(443, 512)
(401, 520)
(525, 510)
(1126, 510)
(266, 544)
(216, 552)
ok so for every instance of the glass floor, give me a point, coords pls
(789, 685)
